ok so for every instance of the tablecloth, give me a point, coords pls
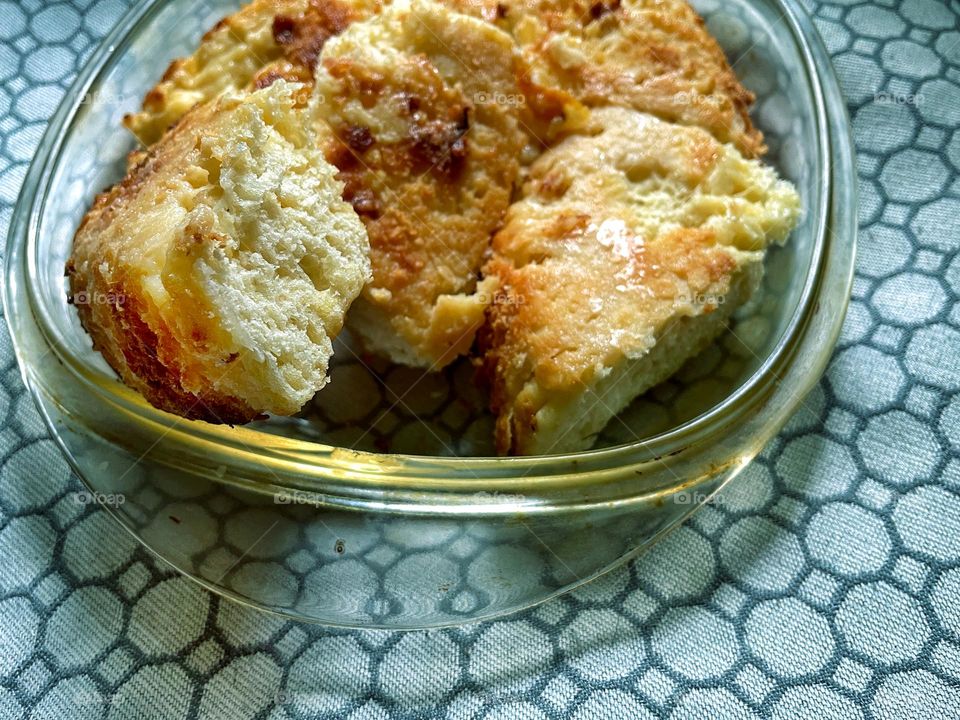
(827, 584)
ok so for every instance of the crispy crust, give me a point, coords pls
(262, 42)
(133, 339)
(429, 157)
(619, 237)
(143, 272)
(655, 56)
(121, 334)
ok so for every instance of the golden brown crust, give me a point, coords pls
(130, 346)
(166, 265)
(654, 56)
(262, 42)
(302, 36)
(134, 340)
(619, 236)
(415, 104)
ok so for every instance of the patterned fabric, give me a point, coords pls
(826, 582)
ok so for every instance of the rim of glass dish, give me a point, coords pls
(384, 471)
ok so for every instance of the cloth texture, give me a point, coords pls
(826, 584)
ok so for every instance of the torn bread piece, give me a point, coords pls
(420, 110)
(213, 277)
(626, 256)
(263, 41)
(267, 40)
(655, 56)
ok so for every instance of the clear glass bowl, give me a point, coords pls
(283, 516)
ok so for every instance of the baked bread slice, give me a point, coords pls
(214, 275)
(263, 41)
(267, 40)
(419, 108)
(655, 56)
(628, 252)
(430, 165)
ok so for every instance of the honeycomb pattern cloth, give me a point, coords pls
(826, 584)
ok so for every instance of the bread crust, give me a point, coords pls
(115, 312)
(621, 239)
(143, 273)
(264, 41)
(655, 56)
(416, 108)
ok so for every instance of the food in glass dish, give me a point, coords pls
(577, 183)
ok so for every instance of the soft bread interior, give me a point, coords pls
(631, 247)
(237, 255)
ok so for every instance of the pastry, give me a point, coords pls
(410, 105)
(655, 56)
(605, 147)
(629, 250)
(286, 35)
(214, 275)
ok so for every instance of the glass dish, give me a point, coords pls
(301, 516)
